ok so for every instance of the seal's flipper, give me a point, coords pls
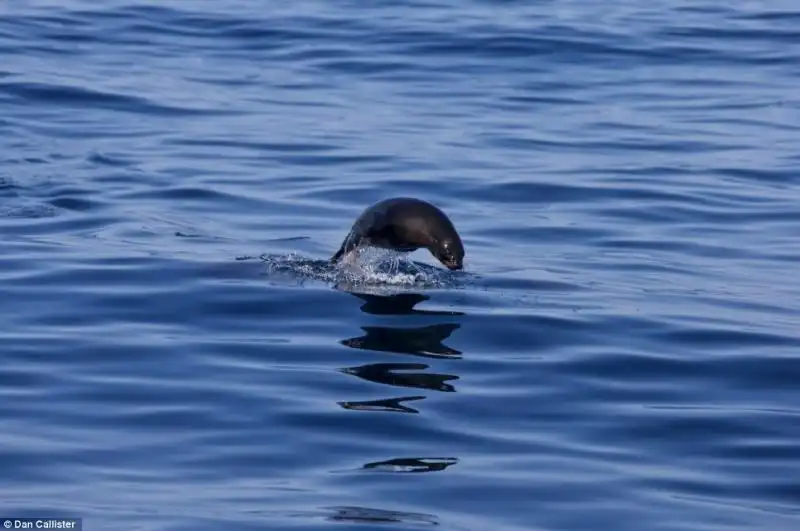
(335, 258)
(348, 244)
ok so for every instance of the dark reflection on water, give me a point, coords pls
(387, 405)
(413, 464)
(386, 373)
(398, 304)
(421, 341)
(366, 515)
(424, 341)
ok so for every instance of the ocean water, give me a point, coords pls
(621, 352)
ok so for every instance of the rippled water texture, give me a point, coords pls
(621, 351)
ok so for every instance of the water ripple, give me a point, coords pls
(620, 351)
(41, 94)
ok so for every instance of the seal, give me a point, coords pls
(406, 224)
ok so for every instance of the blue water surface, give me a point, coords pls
(621, 353)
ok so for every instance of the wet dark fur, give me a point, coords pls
(406, 224)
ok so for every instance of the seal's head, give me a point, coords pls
(418, 223)
(449, 251)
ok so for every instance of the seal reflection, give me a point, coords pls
(398, 304)
(413, 465)
(389, 374)
(369, 515)
(426, 341)
(420, 341)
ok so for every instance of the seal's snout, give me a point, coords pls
(450, 253)
(454, 266)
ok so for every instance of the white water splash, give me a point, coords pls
(362, 268)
